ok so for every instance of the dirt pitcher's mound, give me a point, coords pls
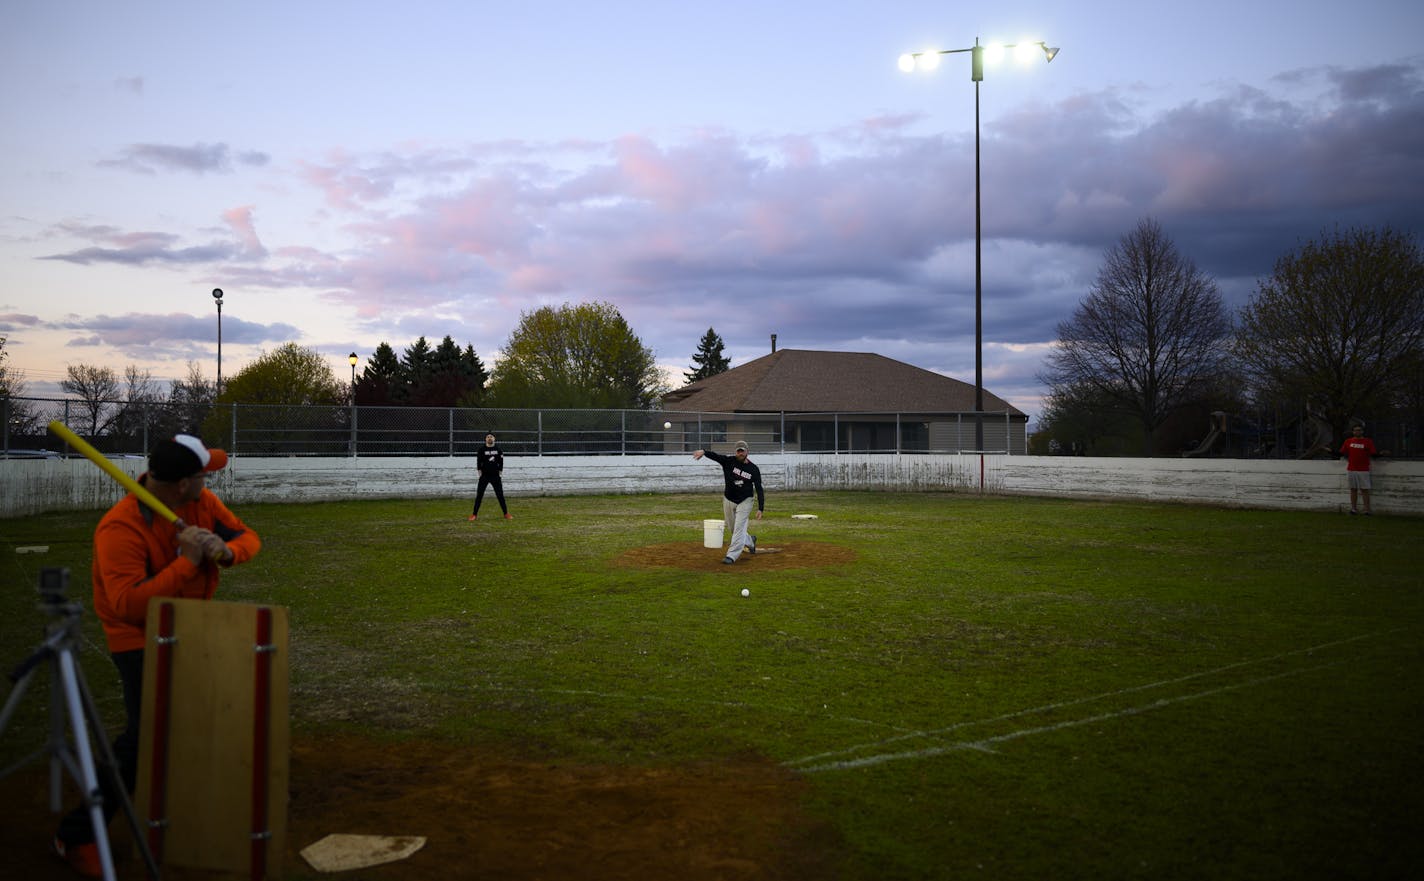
(769, 556)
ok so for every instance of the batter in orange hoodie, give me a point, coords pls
(139, 555)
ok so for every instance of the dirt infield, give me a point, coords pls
(769, 557)
(487, 817)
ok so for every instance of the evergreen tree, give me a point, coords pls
(709, 358)
(382, 382)
(416, 366)
(449, 378)
(475, 378)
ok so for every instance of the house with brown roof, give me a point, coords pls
(795, 400)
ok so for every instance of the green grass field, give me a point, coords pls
(995, 687)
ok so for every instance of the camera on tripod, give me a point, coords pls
(54, 584)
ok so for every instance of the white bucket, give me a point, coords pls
(712, 533)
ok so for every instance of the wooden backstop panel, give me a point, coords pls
(213, 748)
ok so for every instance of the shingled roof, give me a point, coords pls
(800, 381)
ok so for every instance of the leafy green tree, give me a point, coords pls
(583, 356)
(1339, 325)
(290, 374)
(305, 405)
(1150, 336)
(709, 358)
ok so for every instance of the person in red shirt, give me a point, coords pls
(139, 555)
(1358, 450)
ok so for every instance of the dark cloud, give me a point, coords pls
(144, 248)
(173, 338)
(12, 321)
(197, 159)
(140, 256)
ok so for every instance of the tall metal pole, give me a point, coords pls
(977, 71)
(909, 62)
(218, 295)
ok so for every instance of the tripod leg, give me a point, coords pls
(111, 764)
(89, 780)
(11, 703)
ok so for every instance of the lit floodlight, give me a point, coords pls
(994, 53)
(1026, 51)
(907, 63)
(1049, 53)
(928, 61)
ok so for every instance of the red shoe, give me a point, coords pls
(472, 518)
(82, 858)
(509, 516)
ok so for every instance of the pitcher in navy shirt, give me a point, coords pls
(743, 479)
(491, 463)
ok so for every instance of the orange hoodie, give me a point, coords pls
(136, 557)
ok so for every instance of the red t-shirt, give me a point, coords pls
(1359, 450)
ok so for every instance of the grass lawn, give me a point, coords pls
(992, 688)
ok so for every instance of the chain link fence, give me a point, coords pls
(120, 428)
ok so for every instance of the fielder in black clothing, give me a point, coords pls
(491, 463)
(742, 479)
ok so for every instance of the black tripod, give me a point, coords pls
(71, 702)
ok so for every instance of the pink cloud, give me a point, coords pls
(239, 220)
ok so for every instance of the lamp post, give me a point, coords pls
(353, 359)
(217, 295)
(927, 61)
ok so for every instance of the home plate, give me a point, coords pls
(341, 853)
(804, 517)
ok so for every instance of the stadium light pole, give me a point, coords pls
(928, 61)
(218, 295)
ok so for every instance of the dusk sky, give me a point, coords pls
(351, 173)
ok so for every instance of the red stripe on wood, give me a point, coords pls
(261, 729)
(162, 708)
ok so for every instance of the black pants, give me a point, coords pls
(76, 827)
(490, 480)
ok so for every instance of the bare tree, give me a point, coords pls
(138, 410)
(1339, 325)
(189, 400)
(19, 415)
(1149, 336)
(97, 388)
